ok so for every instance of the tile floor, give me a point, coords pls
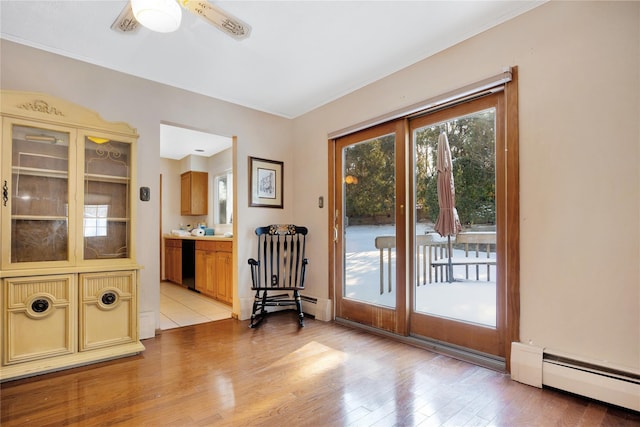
(182, 307)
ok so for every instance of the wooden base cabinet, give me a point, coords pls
(47, 325)
(214, 269)
(205, 272)
(224, 281)
(173, 260)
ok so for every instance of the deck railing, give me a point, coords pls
(432, 255)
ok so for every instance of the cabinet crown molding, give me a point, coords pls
(44, 107)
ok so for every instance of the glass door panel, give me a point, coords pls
(39, 194)
(462, 282)
(368, 214)
(369, 217)
(106, 211)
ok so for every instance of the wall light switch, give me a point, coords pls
(320, 202)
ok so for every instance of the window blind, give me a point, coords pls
(463, 94)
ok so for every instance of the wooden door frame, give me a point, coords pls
(510, 206)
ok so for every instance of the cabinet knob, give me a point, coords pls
(40, 305)
(109, 298)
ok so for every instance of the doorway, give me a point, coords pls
(181, 150)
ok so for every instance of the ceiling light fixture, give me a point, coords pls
(162, 16)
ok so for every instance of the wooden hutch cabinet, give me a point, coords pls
(68, 270)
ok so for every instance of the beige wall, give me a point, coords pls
(579, 141)
(171, 218)
(144, 105)
(579, 157)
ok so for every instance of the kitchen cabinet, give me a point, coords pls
(214, 264)
(173, 260)
(67, 265)
(205, 270)
(224, 282)
(194, 193)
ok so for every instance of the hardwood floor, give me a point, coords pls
(224, 373)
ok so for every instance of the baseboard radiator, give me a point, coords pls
(532, 365)
(320, 308)
(309, 305)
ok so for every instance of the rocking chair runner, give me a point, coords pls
(278, 274)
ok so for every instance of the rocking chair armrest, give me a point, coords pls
(253, 262)
(303, 272)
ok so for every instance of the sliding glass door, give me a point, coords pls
(425, 217)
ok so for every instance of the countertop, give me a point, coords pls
(218, 237)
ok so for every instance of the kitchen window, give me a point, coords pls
(223, 199)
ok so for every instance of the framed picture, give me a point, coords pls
(265, 183)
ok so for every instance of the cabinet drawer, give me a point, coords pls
(218, 246)
(173, 243)
(40, 315)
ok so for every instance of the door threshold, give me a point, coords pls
(485, 360)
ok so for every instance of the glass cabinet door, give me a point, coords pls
(106, 209)
(37, 195)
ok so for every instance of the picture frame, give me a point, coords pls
(265, 183)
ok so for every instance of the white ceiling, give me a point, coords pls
(300, 54)
(178, 142)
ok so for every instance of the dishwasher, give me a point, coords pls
(189, 264)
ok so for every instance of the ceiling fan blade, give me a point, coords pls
(126, 22)
(218, 17)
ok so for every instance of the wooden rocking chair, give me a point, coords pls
(278, 274)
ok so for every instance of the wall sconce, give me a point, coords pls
(162, 16)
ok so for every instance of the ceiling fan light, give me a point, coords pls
(162, 16)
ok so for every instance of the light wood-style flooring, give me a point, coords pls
(181, 307)
(225, 374)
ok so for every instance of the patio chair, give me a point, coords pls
(278, 274)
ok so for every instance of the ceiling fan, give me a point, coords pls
(165, 16)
